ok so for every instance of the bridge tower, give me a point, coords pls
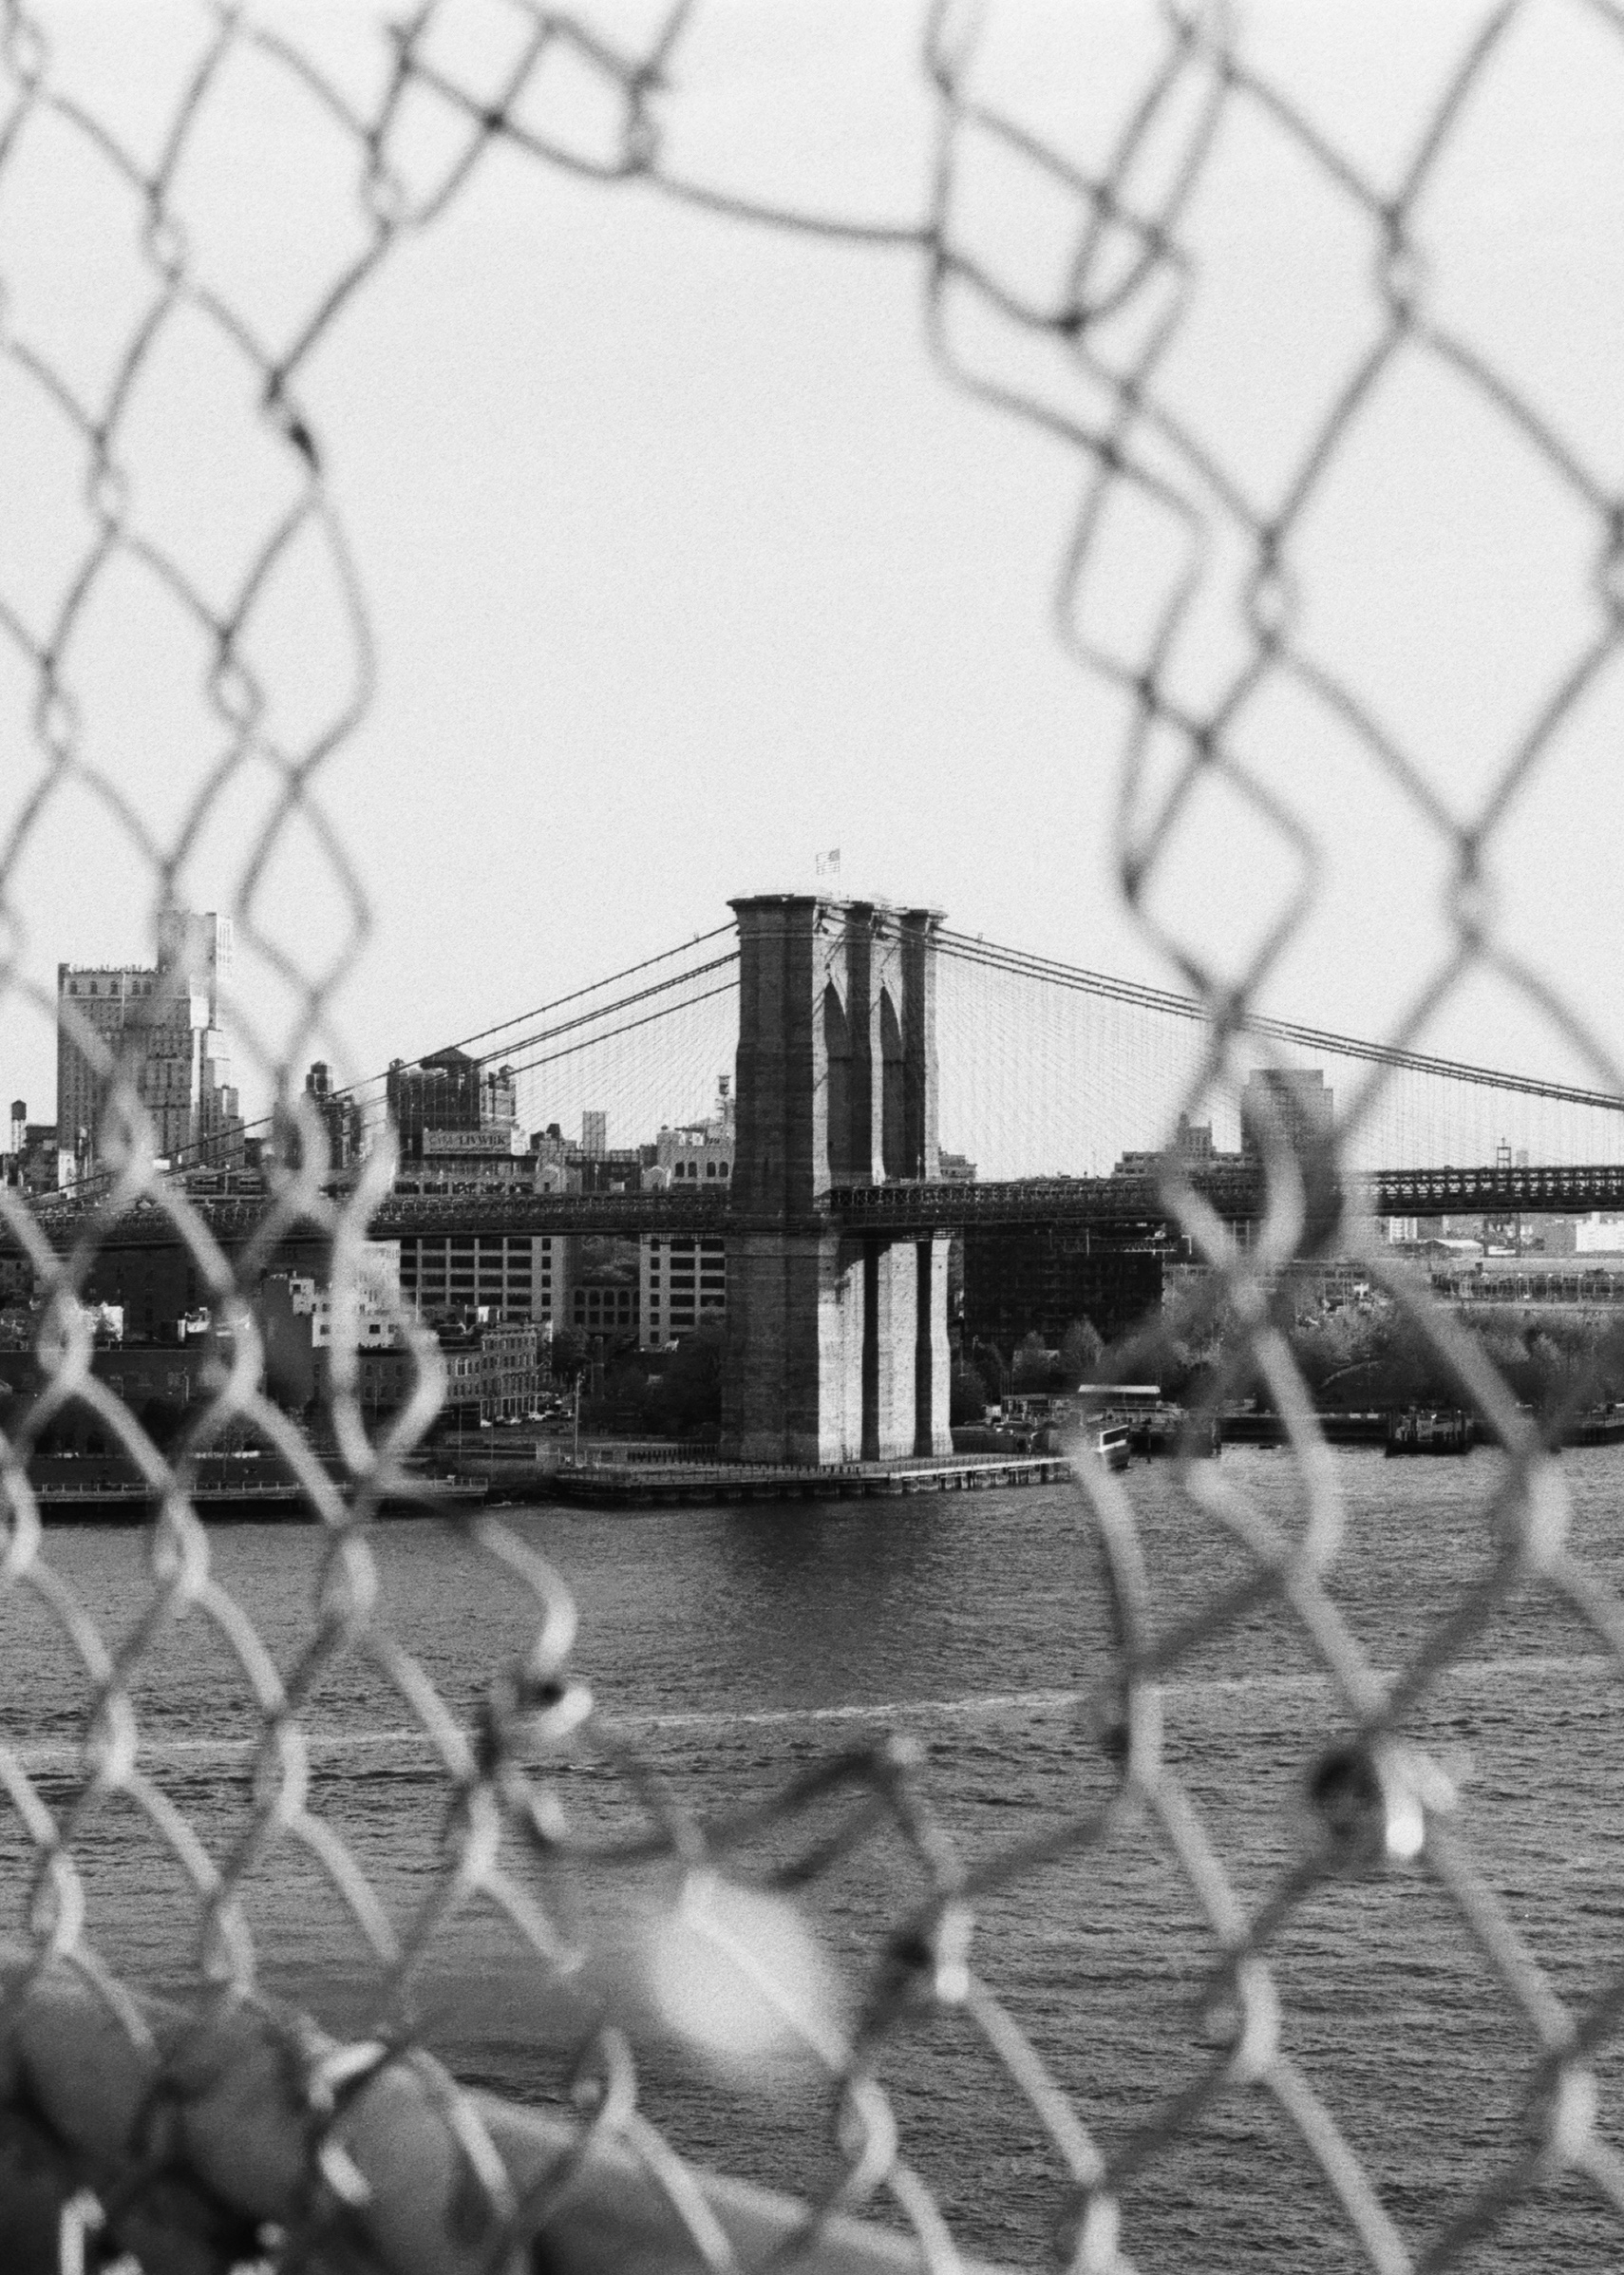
(837, 1343)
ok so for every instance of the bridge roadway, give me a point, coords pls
(1123, 1206)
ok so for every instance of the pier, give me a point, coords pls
(644, 1484)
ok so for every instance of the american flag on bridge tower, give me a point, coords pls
(829, 863)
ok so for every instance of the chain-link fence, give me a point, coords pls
(160, 2105)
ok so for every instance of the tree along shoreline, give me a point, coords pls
(1371, 1357)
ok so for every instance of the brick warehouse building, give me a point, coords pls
(1021, 1282)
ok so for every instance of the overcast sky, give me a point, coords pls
(684, 561)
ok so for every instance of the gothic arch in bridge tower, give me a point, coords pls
(837, 1081)
(891, 1131)
(836, 1344)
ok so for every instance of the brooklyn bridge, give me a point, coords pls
(839, 1208)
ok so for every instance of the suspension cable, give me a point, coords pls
(1018, 963)
(588, 1042)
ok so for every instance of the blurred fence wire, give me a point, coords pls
(210, 2127)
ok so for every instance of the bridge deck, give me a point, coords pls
(896, 1210)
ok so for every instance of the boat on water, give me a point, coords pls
(129, 1501)
(1430, 1430)
(1113, 1445)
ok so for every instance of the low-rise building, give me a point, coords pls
(1593, 1235)
(1192, 1145)
(385, 1380)
(697, 1152)
(377, 1307)
(499, 1369)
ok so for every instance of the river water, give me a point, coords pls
(738, 1647)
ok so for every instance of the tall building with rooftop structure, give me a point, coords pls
(339, 1115)
(448, 1090)
(457, 1119)
(159, 1026)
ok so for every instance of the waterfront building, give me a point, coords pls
(606, 1309)
(158, 1383)
(1593, 1235)
(385, 1379)
(514, 1276)
(154, 1285)
(497, 1370)
(1019, 1282)
(680, 1275)
(158, 1027)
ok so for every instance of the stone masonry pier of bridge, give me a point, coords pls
(837, 1341)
